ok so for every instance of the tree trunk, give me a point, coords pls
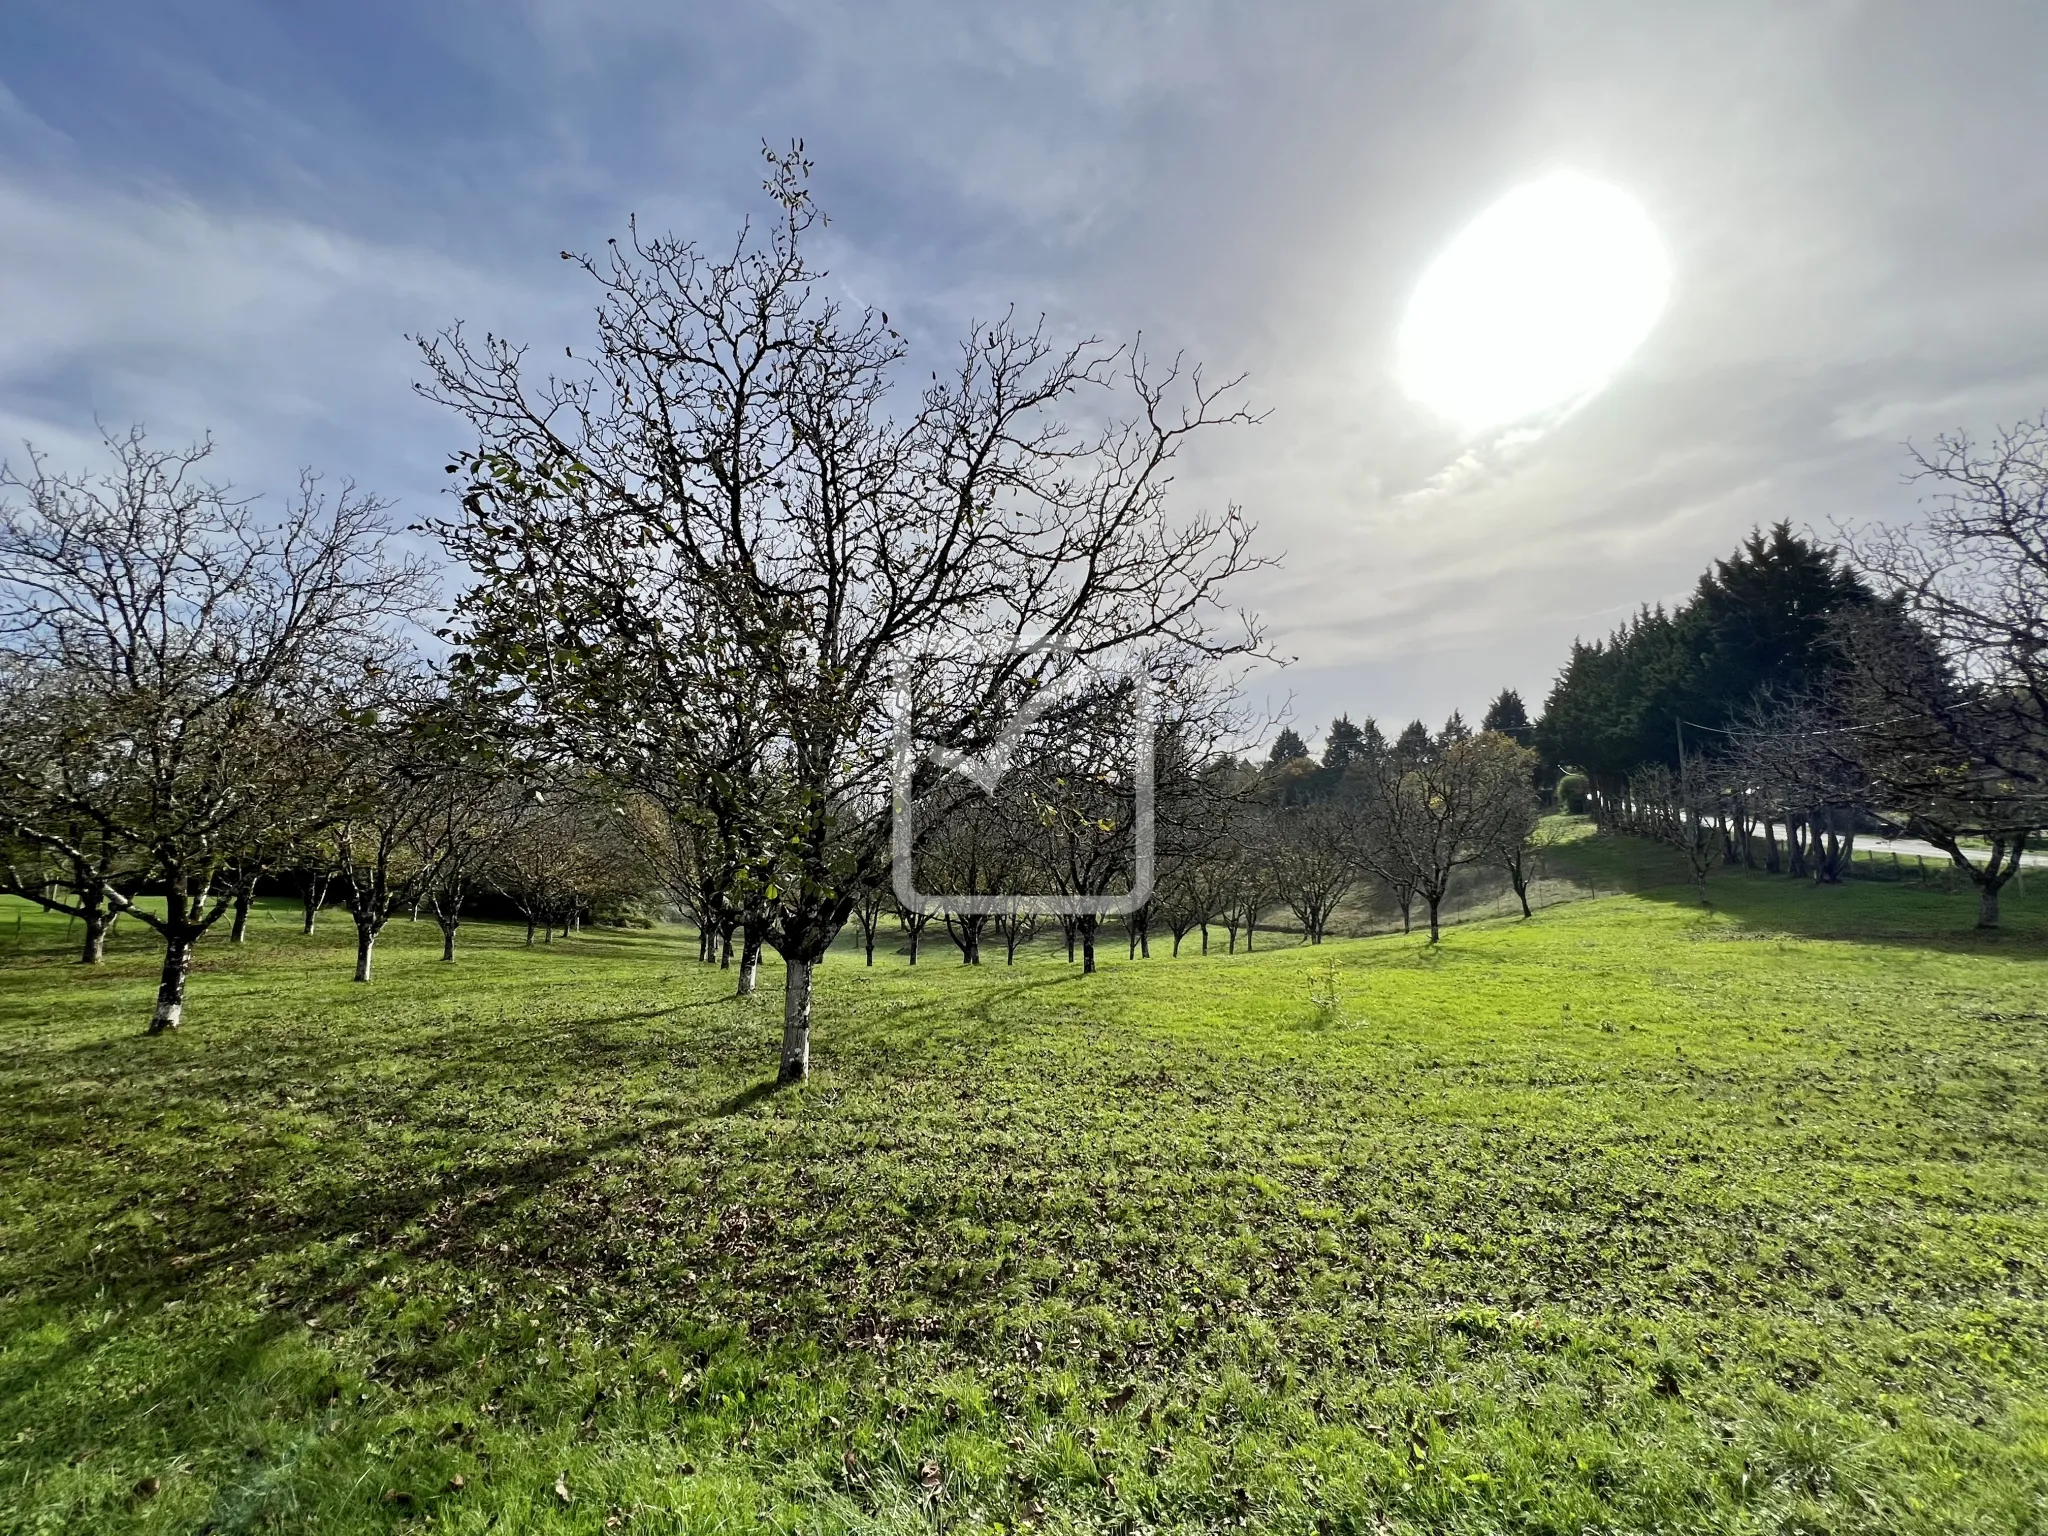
(750, 961)
(366, 944)
(312, 896)
(238, 933)
(529, 930)
(796, 1022)
(92, 905)
(1987, 905)
(1087, 927)
(1434, 903)
(448, 927)
(1522, 895)
(170, 987)
(916, 936)
(867, 942)
(1772, 863)
(1205, 938)
(1068, 924)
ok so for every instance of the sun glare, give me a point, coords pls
(1535, 305)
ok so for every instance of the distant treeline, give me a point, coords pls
(1806, 692)
(1759, 624)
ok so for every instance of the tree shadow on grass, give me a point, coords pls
(1901, 913)
(292, 1167)
(333, 1251)
(747, 1098)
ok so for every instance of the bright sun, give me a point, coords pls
(1534, 305)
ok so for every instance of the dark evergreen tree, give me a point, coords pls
(1758, 623)
(1507, 715)
(1287, 747)
(1344, 745)
(1413, 744)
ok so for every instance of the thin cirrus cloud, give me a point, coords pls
(229, 216)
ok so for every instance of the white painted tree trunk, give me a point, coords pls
(170, 990)
(750, 965)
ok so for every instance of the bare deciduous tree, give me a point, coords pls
(1526, 841)
(1315, 860)
(1428, 813)
(1945, 705)
(191, 643)
(1678, 810)
(729, 485)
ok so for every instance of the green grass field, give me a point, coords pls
(1634, 1217)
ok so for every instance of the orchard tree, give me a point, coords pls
(1525, 842)
(1314, 860)
(410, 792)
(973, 845)
(733, 483)
(79, 866)
(471, 805)
(1679, 810)
(1962, 677)
(1459, 805)
(184, 650)
(536, 863)
(1960, 763)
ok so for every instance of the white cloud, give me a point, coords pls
(1852, 207)
(283, 338)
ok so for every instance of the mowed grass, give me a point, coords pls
(1634, 1217)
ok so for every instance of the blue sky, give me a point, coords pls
(228, 216)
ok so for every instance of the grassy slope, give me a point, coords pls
(1633, 1217)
